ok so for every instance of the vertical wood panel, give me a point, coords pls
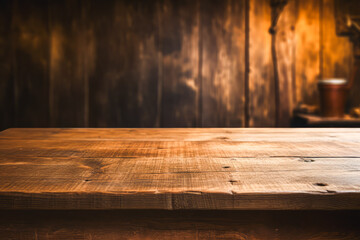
(180, 59)
(31, 63)
(122, 63)
(108, 88)
(337, 52)
(342, 10)
(261, 76)
(285, 54)
(147, 63)
(223, 63)
(67, 86)
(307, 36)
(6, 84)
(354, 99)
(123, 80)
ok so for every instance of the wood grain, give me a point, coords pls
(123, 77)
(180, 169)
(30, 37)
(261, 76)
(336, 63)
(67, 83)
(307, 35)
(285, 54)
(150, 224)
(223, 63)
(165, 63)
(347, 64)
(180, 59)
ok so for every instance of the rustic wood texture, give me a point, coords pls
(261, 76)
(336, 51)
(123, 72)
(30, 63)
(344, 10)
(142, 224)
(307, 36)
(285, 54)
(180, 169)
(121, 63)
(67, 84)
(223, 63)
(354, 100)
(180, 58)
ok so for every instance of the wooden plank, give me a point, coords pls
(163, 175)
(31, 63)
(339, 51)
(353, 97)
(307, 34)
(140, 57)
(261, 76)
(106, 78)
(6, 84)
(192, 169)
(194, 134)
(123, 79)
(223, 63)
(67, 81)
(108, 148)
(180, 59)
(336, 52)
(343, 10)
(180, 225)
(179, 62)
(285, 56)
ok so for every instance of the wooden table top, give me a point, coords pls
(260, 169)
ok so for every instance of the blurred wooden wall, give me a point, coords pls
(162, 63)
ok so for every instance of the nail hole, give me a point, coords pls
(307, 160)
(87, 180)
(320, 184)
(232, 181)
(223, 138)
(226, 167)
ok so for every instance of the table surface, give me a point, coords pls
(252, 169)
